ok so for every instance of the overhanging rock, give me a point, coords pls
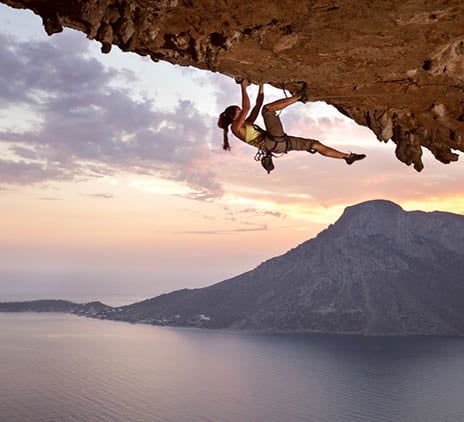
(395, 67)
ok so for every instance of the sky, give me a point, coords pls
(114, 184)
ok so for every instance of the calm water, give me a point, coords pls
(65, 368)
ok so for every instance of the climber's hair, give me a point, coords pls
(224, 121)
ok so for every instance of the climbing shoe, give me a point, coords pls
(354, 157)
(302, 93)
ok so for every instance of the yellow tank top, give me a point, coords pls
(252, 135)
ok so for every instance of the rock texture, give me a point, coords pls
(396, 67)
(377, 270)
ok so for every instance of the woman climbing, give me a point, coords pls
(273, 139)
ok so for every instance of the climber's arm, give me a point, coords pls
(259, 102)
(240, 120)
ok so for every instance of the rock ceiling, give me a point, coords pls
(396, 67)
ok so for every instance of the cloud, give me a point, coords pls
(90, 127)
(22, 172)
(257, 212)
(226, 93)
(99, 195)
(256, 228)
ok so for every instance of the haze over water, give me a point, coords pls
(56, 367)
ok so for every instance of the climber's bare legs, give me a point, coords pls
(328, 152)
(282, 103)
(277, 130)
(333, 153)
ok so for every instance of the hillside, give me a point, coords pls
(377, 270)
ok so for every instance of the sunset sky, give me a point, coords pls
(113, 182)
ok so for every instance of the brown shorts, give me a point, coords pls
(274, 127)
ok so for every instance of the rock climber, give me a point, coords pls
(273, 139)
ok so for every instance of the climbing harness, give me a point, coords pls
(265, 154)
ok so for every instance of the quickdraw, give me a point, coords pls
(265, 155)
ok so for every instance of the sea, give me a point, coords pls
(59, 367)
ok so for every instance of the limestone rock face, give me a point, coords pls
(396, 67)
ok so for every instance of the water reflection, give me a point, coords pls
(59, 367)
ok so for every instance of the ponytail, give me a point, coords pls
(224, 121)
(225, 141)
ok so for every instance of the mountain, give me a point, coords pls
(377, 270)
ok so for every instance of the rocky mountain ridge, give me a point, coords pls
(395, 67)
(377, 270)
